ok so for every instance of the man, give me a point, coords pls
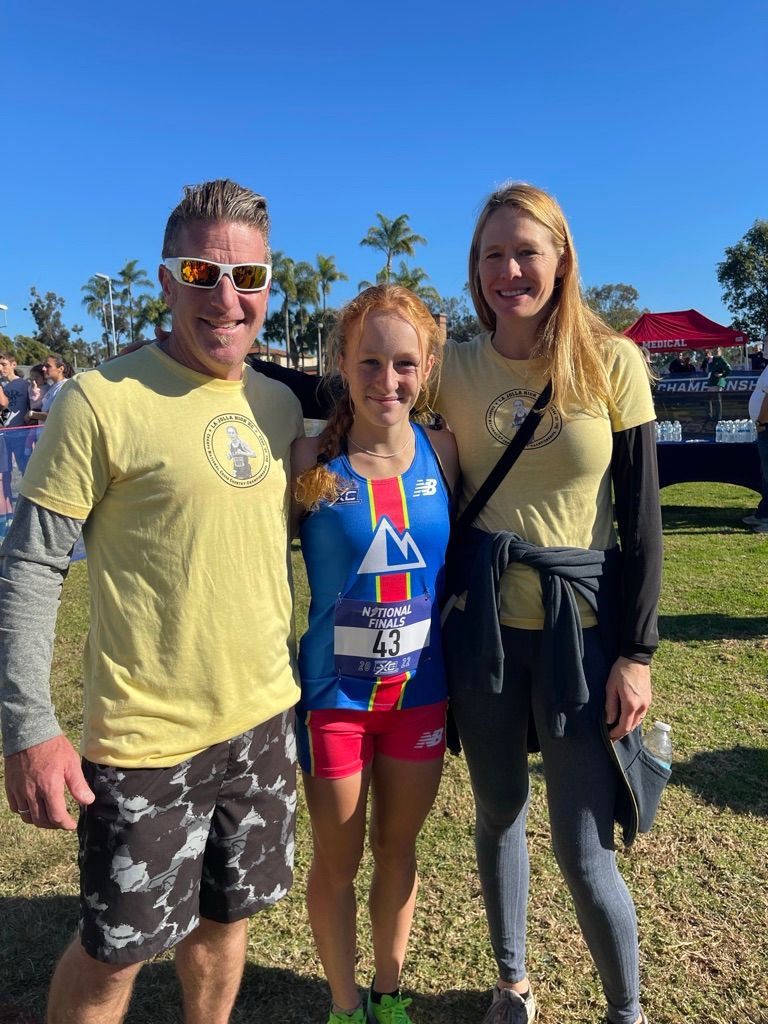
(14, 397)
(758, 411)
(187, 785)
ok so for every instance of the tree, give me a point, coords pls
(615, 303)
(132, 276)
(95, 300)
(414, 279)
(307, 293)
(393, 238)
(46, 312)
(328, 274)
(150, 311)
(743, 275)
(463, 325)
(284, 281)
(29, 351)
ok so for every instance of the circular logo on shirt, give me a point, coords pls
(237, 450)
(506, 414)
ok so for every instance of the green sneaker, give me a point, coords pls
(389, 1011)
(358, 1017)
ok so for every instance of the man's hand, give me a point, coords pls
(627, 696)
(35, 781)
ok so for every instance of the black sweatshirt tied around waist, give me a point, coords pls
(564, 572)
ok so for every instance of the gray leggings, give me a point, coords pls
(581, 787)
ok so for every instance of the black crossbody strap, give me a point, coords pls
(508, 458)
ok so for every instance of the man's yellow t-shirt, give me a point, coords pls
(558, 493)
(183, 482)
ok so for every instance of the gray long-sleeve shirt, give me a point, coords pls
(34, 562)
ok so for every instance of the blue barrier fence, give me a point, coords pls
(16, 447)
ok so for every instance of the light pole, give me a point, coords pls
(108, 279)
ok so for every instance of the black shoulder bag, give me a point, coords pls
(507, 459)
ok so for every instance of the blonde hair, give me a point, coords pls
(572, 337)
(318, 483)
(212, 202)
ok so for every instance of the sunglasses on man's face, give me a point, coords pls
(246, 277)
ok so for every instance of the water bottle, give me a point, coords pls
(658, 743)
(677, 431)
(719, 431)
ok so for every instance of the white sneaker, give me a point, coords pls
(509, 1007)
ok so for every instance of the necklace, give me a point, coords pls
(381, 455)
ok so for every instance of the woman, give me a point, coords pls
(374, 492)
(551, 519)
(57, 372)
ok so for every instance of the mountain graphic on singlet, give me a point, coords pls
(390, 552)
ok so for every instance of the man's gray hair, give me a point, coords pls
(212, 202)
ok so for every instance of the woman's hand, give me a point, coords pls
(627, 696)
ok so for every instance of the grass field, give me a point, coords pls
(700, 878)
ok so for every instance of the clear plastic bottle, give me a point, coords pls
(658, 743)
(719, 431)
(677, 431)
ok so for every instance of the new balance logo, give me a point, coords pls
(429, 739)
(425, 488)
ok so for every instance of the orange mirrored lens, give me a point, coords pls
(250, 276)
(199, 272)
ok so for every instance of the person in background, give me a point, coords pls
(757, 360)
(682, 364)
(706, 359)
(14, 405)
(758, 411)
(719, 370)
(186, 785)
(14, 398)
(37, 386)
(373, 492)
(57, 372)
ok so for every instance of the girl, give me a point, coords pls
(373, 490)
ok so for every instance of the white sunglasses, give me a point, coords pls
(246, 277)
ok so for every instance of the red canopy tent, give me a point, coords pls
(685, 329)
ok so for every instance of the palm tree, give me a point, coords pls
(284, 281)
(132, 276)
(151, 311)
(328, 275)
(307, 292)
(95, 301)
(394, 238)
(413, 278)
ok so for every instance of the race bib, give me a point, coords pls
(372, 640)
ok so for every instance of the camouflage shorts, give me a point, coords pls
(161, 847)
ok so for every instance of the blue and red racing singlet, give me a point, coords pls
(376, 560)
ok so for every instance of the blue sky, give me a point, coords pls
(646, 120)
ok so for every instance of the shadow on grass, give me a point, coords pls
(713, 627)
(703, 519)
(34, 932)
(733, 778)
